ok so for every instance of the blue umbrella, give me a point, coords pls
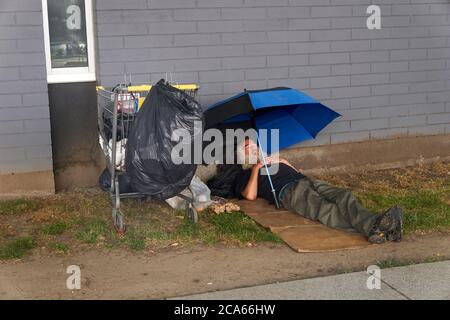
(297, 116)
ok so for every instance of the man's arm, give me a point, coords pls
(250, 191)
(283, 160)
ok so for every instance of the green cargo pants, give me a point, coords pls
(335, 207)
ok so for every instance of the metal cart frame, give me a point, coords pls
(116, 110)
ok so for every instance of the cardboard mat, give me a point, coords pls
(302, 235)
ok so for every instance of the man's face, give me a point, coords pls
(250, 150)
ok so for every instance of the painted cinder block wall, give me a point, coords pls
(25, 140)
(385, 83)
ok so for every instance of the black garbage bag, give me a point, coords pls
(124, 182)
(224, 182)
(149, 147)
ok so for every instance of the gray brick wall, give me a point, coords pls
(388, 82)
(25, 141)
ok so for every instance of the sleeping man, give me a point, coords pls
(314, 199)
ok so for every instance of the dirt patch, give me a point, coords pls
(119, 274)
(421, 176)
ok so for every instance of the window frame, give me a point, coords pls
(71, 74)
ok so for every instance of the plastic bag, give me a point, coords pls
(148, 154)
(120, 151)
(200, 193)
(223, 184)
(124, 182)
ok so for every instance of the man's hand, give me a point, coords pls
(257, 166)
(270, 160)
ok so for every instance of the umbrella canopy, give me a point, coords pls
(297, 116)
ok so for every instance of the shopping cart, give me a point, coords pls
(117, 109)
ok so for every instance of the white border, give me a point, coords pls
(65, 75)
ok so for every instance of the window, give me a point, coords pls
(69, 40)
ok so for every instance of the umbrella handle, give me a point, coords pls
(268, 174)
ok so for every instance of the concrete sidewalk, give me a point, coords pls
(417, 282)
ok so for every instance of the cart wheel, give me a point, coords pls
(117, 218)
(120, 232)
(192, 213)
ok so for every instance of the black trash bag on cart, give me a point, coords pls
(149, 147)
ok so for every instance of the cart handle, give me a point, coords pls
(147, 87)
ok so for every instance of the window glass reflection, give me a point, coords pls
(67, 28)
